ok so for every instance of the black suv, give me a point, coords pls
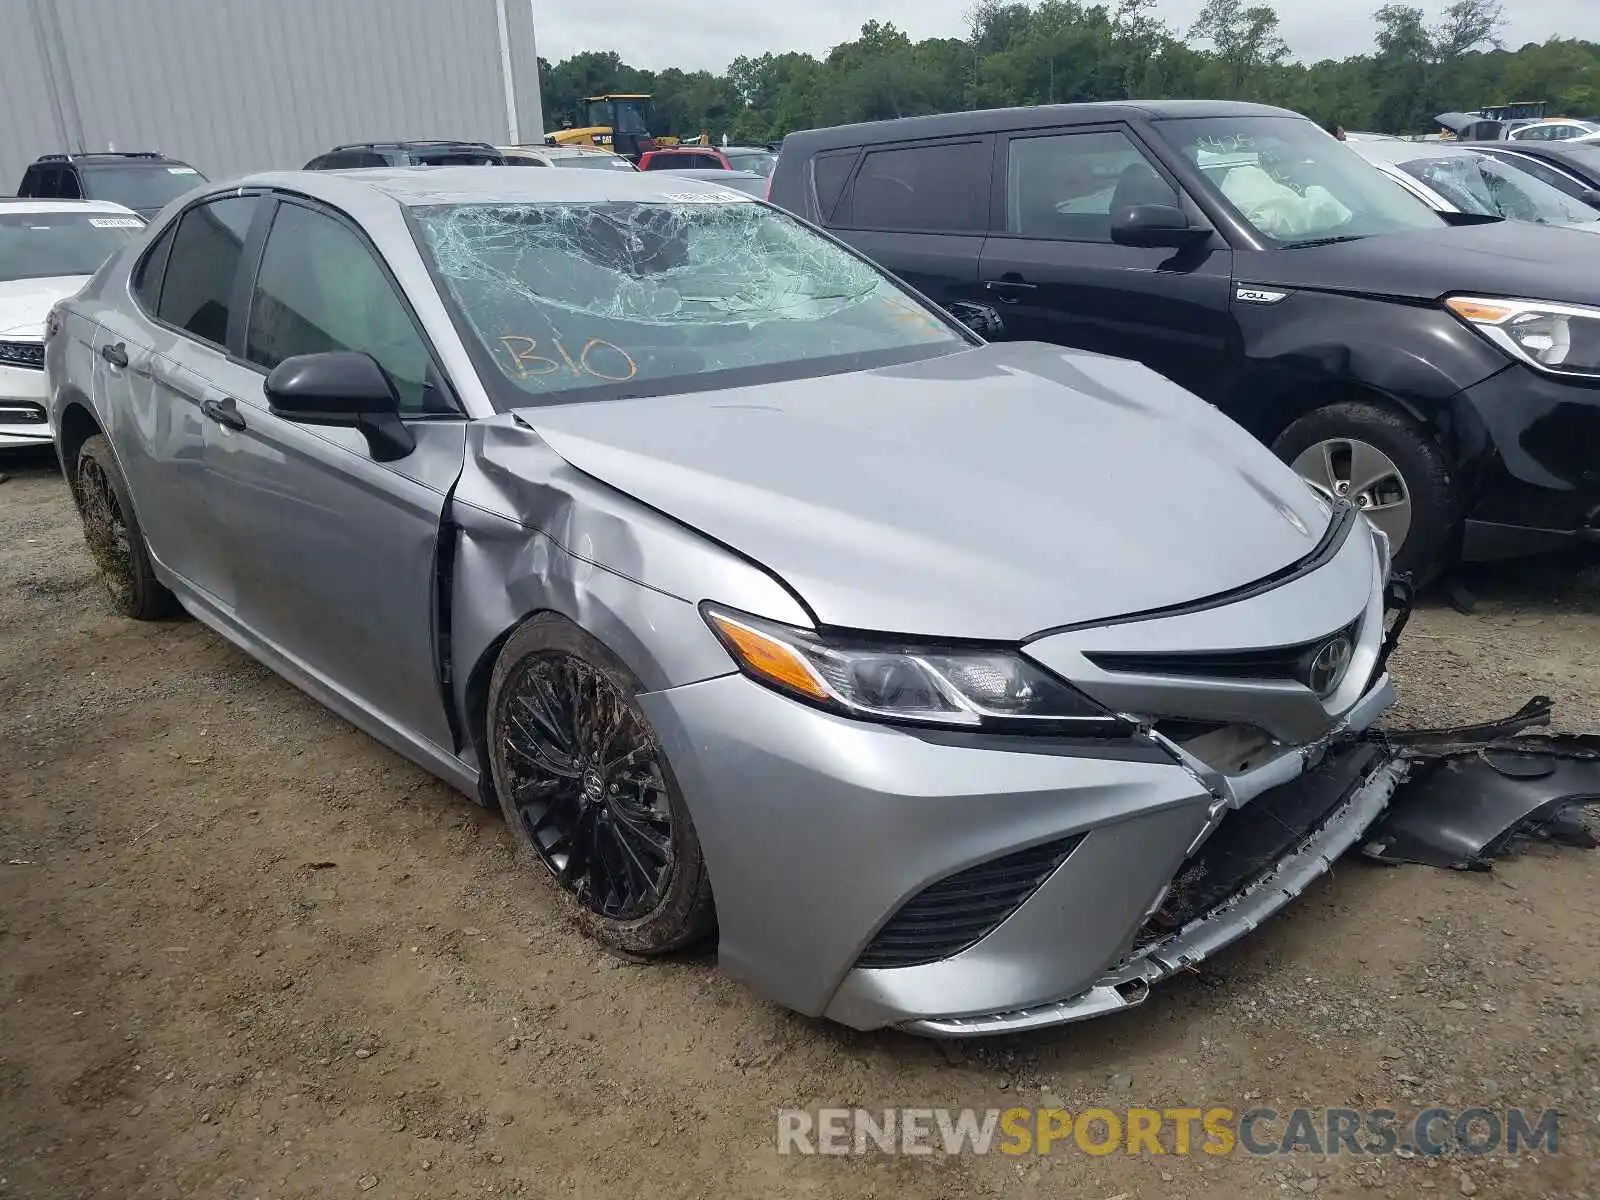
(1441, 371)
(138, 179)
(407, 154)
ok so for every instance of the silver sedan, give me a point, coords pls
(953, 686)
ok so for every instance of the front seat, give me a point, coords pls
(1139, 184)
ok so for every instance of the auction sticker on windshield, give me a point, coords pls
(116, 222)
(708, 197)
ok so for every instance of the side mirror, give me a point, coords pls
(341, 387)
(1590, 196)
(1155, 225)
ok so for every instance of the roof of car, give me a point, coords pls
(714, 174)
(411, 186)
(1404, 152)
(986, 120)
(153, 158)
(35, 205)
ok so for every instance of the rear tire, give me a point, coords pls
(1381, 461)
(112, 532)
(589, 794)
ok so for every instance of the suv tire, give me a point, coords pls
(1390, 468)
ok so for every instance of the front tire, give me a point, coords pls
(588, 792)
(1389, 468)
(112, 532)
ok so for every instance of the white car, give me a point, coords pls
(48, 250)
(564, 156)
(1563, 129)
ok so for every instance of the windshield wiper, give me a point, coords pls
(1327, 241)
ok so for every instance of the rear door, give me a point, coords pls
(1055, 275)
(154, 362)
(332, 552)
(919, 209)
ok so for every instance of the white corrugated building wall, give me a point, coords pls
(232, 86)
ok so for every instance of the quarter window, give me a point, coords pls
(942, 188)
(829, 173)
(197, 296)
(1066, 186)
(321, 289)
(147, 275)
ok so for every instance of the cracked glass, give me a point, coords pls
(642, 298)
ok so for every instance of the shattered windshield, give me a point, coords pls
(578, 301)
(1476, 183)
(1294, 183)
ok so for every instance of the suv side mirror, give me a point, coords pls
(1155, 225)
(1590, 196)
(341, 387)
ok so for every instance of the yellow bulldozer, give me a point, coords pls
(618, 122)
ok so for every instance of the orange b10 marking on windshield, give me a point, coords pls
(525, 356)
(905, 312)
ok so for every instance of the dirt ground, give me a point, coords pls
(247, 952)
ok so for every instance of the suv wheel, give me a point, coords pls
(1379, 460)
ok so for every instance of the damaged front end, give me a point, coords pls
(1455, 798)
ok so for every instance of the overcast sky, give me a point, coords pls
(711, 33)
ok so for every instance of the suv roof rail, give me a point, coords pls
(403, 143)
(100, 154)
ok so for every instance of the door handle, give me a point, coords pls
(1007, 289)
(115, 353)
(223, 412)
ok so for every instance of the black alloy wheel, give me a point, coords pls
(585, 784)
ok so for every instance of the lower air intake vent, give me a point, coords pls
(951, 915)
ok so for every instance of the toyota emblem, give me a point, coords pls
(1329, 665)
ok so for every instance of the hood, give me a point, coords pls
(1472, 128)
(1501, 258)
(25, 303)
(990, 493)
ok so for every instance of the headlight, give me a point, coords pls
(1559, 339)
(970, 688)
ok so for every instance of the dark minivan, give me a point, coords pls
(1444, 373)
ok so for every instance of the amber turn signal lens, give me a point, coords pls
(769, 658)
(1481, 312)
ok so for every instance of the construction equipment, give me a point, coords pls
(619, 122)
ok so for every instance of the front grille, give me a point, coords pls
(1250, 841)
(21, 412)
(29, 355)
(1279, 663)
(947, 917)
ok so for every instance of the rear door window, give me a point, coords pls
(829, 173)
(68, 185)
(197, 296)
(1067, 185)
(938, 188)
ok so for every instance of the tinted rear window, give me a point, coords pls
(830, 172)
(198, 293)
(936, 189)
